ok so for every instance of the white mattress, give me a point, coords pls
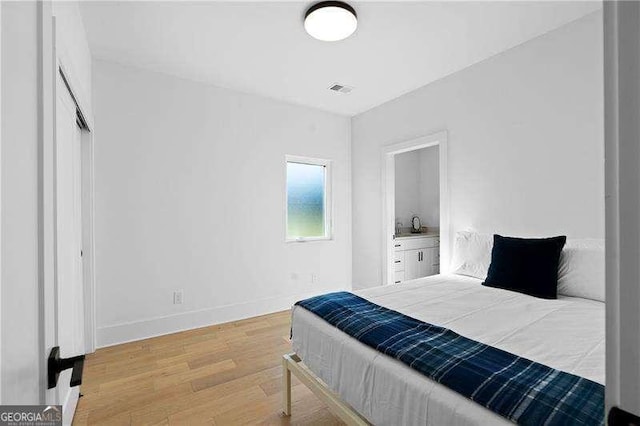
(567, 334)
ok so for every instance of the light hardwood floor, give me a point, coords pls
(226, 374)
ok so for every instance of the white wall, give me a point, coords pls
(190, 184)
(407, 184)
(21, 350)
(525, 143)
(417, 187)
(429, 186)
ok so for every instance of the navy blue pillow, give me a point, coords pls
(526, 265)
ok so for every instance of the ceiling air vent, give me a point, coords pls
(341, 88)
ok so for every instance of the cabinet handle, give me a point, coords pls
(396, 245)
(397, 282)
(397, 261)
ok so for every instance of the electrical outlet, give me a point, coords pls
(314, 278)
(178, 297)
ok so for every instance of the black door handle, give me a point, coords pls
(55, 365)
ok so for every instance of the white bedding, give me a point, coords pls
(567, 334)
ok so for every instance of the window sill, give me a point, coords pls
(309, 240)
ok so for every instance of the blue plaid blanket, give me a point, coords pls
(521, 390)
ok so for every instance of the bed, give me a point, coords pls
(365, 386)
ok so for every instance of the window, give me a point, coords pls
(308, 199)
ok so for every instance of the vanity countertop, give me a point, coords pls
(420, 235)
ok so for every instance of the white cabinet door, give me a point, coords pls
(424, 268)
(421, 263)
(412, 264)
(430, 261)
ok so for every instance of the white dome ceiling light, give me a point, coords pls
(330, 20)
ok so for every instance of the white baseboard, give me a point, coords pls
(137, 330)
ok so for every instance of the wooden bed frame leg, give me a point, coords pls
(292, 364)
(286, 388)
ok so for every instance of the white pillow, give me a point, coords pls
(472, 254)
(581, 269)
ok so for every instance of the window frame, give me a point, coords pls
(328, 198)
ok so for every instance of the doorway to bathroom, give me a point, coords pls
(416, 231)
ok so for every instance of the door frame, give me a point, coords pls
(622, 182)
(48, 332)
(1, 202)
(388, 180)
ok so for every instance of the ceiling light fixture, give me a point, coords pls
(330, 20)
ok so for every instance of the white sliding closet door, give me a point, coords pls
(69, 240)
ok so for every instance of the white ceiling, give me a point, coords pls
(262, 48)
